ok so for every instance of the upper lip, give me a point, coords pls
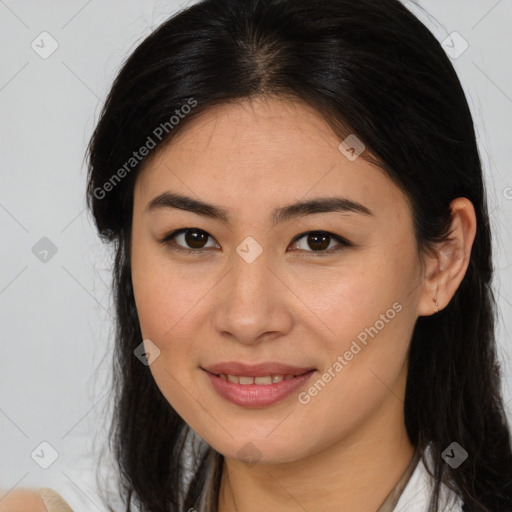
(256, 370)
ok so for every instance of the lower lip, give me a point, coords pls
(257, 395)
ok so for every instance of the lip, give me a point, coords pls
(256, 370)
(258, 395)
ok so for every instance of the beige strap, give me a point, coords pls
(53, 501)
(392, 498)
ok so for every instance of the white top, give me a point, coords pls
(81, 493)
(416, 495)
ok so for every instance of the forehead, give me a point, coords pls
(270, 151)
(262, 129)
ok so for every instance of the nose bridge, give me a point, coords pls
(250, 280)
(249, 284)
(252, 302)
(250, 271)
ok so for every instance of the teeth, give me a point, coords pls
(264, 380)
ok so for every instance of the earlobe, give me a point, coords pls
(451, 260)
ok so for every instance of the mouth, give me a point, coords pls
(261, 380)
(256, 385)
(238, 369)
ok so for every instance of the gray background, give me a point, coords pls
(56, 315)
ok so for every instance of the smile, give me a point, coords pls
(257, 390)
(243, 379)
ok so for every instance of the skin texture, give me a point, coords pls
(291, 305)
(21, 500)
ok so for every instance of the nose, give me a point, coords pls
(253, 302)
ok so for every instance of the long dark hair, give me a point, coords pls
(371, 68)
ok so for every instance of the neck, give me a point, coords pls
(332, 480)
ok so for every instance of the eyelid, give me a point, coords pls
(167, 240)
(342, 242)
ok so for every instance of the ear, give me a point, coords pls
(445, 270)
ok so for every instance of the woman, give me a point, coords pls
(238, 139)
(226, 115)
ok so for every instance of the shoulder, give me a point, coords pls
(53, 501)
(21, 500)
(33, 500)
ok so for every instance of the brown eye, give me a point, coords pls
(195, 239)
(188, 239)
(320, 241)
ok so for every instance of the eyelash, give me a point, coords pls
(167, 240)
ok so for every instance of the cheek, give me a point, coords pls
(168, 319)
(354, 299)
(171, 308)
(365, 354)
(368, 313)
(151, 300)
(165, 308)
(164, 299)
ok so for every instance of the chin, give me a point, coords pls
(252, 451)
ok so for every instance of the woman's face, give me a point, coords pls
(258, 288)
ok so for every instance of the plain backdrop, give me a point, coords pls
(56, 310)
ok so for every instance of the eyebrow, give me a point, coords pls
(169, 200)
